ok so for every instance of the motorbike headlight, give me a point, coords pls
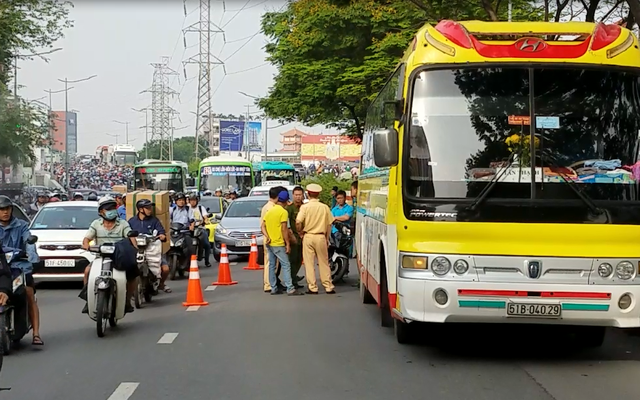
(18, 282)
(141, 241)
(221, 230)
(179, 242)
(107, 249)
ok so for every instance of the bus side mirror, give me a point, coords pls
(385, 147)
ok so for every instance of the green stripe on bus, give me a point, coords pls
(584, 307)
(481, 304)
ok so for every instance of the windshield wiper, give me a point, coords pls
(485, 192)
(572, 185)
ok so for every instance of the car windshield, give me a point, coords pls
(472, 125)
(245, 209)
(65, 218)
(260, 192)
(212, 203)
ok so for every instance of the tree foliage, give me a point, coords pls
(333, 56)
(183, 149)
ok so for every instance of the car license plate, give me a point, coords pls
(243, 243)
(533, 310)
(59, 263)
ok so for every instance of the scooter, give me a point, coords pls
(339, 250)
(148, 282)
(177, 256)
(14, 316)
(107, 288)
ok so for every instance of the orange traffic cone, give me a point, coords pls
(253, 256)
(194, 289)
(224, 270)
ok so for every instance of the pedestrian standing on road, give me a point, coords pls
(273, 199)
(276, 237)
(314, 226)
(295, 256)
(334, 193)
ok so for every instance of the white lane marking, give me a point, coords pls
(168, 338)
(210, 288)
(233, 263)
(193, 308)
(124, 391)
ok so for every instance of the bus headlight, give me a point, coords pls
(414, 262)
(440, 266)
(460, 267)
(605, 270)
(625, 270)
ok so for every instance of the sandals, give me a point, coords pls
(165, 289)
(37, 341)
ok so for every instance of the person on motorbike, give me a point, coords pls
(180, 214)
(15, 233)
(41, 200)
(199, 214)
(78, 196)
(342, 212)
(144, 222)
(122, 206)
(218, 193)
(108, 229)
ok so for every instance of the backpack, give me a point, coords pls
(124, 256)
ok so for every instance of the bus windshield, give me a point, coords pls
(222, 177)
(125, 158)
(470, 126)
(159, 178)
(278, 175)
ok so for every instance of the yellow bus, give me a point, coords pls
(499, 179)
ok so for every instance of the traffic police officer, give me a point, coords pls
(314, 226)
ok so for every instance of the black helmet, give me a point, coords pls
(144, 203)
(93, 197)
(5, 202)
(194, 196)
(180, 195)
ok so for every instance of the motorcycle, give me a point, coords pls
(14, 316)
(107, 288)
(148, 282)
(339, 249)
(177, 256)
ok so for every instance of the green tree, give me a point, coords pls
(183, 149)
(333, 56)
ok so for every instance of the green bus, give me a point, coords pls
(161, 175)
(275, 171)
(225, 173)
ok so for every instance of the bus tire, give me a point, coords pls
(386, 320)
(365, 295)
(405, 333)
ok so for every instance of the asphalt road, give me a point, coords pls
(249, 345)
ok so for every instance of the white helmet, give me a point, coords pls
(106, 200)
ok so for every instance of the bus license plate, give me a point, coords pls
(243, 243)
(533, 310)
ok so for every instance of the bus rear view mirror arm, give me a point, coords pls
(385, 147)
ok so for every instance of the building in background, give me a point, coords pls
(330, 149)
(292, 140)
(59, 135)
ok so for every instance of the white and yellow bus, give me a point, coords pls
(452, 228)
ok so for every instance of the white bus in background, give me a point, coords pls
(122, 154)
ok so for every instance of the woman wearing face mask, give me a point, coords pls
(109, 229)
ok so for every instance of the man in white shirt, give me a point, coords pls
(199, 214)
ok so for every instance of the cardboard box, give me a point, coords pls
(119, 188)
(161, 211)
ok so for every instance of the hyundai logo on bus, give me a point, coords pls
(534, 268)
(531, 45)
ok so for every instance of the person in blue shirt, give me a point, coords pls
(342, 211)
(122, 209)
(145, 222)
(15, 233)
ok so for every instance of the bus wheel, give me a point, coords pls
(386, 319)
(405, 333)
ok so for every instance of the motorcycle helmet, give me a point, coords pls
(207, 192)
(78, 196)
(5, 202)
(194, 196)
(180, 195)
(106, 201)
(144, 203)
(93, 197)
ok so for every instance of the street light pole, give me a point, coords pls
(66, 82)
(146, 130)
(126, 135)
(15, 65)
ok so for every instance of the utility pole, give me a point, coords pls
(15, 65)
(52, 118)
(66, 124)
(206, 62)
(146, 130)
(114, 135)
(161, 112)
(126, 134)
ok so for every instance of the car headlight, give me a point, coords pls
(605, 270)
(440, 266)
(220, 229)
(625, 270)
(18, 282)
(460, 267)
(107, 249)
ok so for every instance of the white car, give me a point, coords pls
(60, 228)
(264, 191)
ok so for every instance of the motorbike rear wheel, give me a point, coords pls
(5, 341)
(137, 296)
(102, 311)
(338, 269)
(173, 266)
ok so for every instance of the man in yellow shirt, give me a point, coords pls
(273, 199)
(276, 238)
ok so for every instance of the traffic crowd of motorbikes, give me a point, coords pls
(91, 174)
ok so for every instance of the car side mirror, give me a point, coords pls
(33, 239)
(385, 147)
(133, 234)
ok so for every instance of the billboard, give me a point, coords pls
(329, 148)
(254, 135)
(59, 135)
(231, 135)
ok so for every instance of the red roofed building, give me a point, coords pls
(292, 140)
